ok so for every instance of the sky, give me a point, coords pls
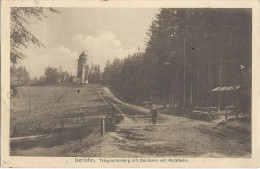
(104, 34)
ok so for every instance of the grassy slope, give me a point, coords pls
(80, 112)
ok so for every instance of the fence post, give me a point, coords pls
(102, 127)
(236, 112)
(62, 121)
(226, 113)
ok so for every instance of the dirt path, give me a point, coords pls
(135, 136)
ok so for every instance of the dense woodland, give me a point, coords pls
(188, 53)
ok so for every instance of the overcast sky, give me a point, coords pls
(104, 33)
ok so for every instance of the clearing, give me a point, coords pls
(135, 136)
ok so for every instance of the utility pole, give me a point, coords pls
(164, 87)
(101, 78)
(198, 84)
(55, 94)
(29, 98)
(208, 72)
(191, 94)
(173, 73)
(220, 77)
(184, 74)
(94, 77)
(165, 80)
(208, 100)
(172, 101)
(139, 85)
(235, 74)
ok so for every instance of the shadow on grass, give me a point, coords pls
(59, 137)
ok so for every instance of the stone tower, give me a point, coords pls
(82, 64)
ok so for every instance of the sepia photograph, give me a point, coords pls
(145, 83)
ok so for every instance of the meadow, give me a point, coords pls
(46, 117)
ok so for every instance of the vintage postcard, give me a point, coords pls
(130, 83)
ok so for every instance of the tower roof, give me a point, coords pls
(83, 55)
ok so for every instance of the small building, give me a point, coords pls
(226, 96)
(76, 80)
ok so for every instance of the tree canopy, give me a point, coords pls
(188, 53)
(20, 35)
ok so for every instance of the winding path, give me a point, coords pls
(135, 136)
